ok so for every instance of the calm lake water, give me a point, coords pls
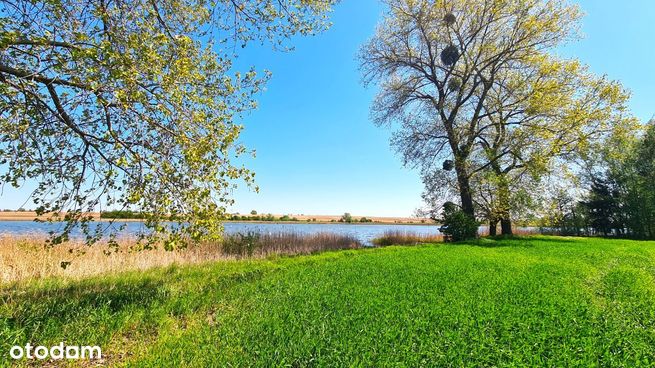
(365, 233)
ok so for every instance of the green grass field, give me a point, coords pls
(542, 301)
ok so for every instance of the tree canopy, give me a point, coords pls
(474, 84)
(135, 104)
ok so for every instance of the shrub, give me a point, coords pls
(396, 237)
(346, 218)
(457, 225)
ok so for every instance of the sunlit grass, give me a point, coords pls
(541, 301)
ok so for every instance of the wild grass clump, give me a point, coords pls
(253, 244)
(27, 257)
(395, 237)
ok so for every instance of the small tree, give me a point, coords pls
(457, 225)
(603, 207)
(346, 218)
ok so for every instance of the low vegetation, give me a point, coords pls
(395, 237)
(254, 244)
(29, 258)
(539, 301)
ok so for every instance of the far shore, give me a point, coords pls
(301, 219)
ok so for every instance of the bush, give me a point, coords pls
(346, 218)
(457, 225)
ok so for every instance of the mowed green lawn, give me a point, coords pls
(541, 301)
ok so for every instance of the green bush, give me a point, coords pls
(347, 217)
(457, 225)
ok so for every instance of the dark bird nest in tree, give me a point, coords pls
(448, 165)
(449, 19)
(454, 84)
(450, 55)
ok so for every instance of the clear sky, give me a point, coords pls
(317, 150)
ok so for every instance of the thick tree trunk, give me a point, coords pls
(504, 204)
(506, 225)
(493, 224)
(464, 190)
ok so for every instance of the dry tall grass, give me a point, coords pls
(27, 257)
(406, 238)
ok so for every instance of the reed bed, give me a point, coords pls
(27, 257)
(396, 237)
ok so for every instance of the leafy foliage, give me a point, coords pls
(347, 218)
(620, 199)
(134, 104)
(457, 225)
(603, 208)
(501, 107)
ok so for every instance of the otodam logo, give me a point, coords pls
(55, 352)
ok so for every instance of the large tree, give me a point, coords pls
(472, 85)
(436, 62)
(541, 119)
(134, 104)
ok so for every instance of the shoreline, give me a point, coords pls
(254, 222)
(302, 219)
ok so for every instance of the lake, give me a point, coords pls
(364, 232)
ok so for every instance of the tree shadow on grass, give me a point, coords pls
(33, 310)
(514, 241)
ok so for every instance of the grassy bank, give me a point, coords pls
(541, 301)
(28, 258)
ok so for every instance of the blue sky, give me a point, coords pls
(317, 150)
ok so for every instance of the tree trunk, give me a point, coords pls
(493, 223)
(506, 225)
(464, 189)
(504, 204)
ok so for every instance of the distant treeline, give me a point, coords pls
(126, 214)
(268, 217)
(346, 218)
(122, 214)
